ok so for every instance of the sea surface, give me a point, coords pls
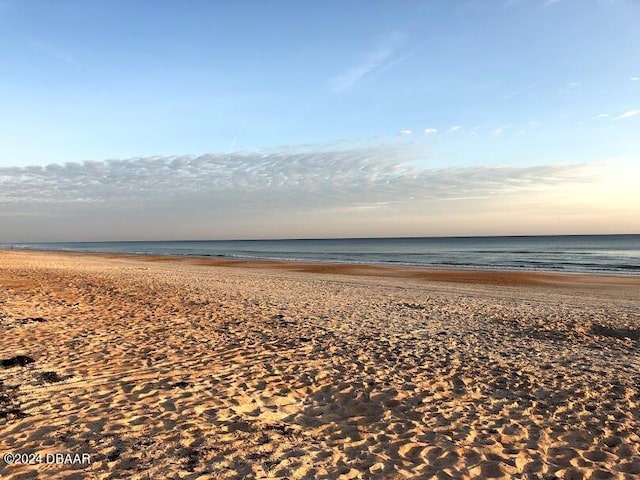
(619, 254)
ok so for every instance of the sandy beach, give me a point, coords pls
(209, 369)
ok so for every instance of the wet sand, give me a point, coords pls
(203, 368)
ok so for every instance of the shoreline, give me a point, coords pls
(470, 275)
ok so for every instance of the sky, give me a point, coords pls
(157, 120)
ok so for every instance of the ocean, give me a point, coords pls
(613, 254)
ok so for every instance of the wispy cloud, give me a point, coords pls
(515, 93)
(628, 114)
(380, 58)
(549, 3)
(454, 129)
(520, 91)
(54, 52)
(235, 138)
(635, 79)
(430, 131)
(601, 115)
(570, 88)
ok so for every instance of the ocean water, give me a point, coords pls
(619, 254)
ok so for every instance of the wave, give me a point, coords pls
(592, 255)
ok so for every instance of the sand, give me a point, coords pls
(167, 368)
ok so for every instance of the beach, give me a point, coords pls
(166, 367)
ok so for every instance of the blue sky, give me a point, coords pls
(441, 84)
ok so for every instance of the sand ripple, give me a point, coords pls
(174, 370)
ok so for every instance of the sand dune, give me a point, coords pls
(199, 369)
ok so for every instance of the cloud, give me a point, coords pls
(286, 176)
(628, 114)
(498, 131)
(570, 88)
(405, 133)
(520, 91)
(54, 52)
(549, 3)
(285, 192)
(635, 79)
(380, 58)
(454, 129)
(523, 89)
(601, 115)
(430, 131)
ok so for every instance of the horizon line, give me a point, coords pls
(327, 238)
